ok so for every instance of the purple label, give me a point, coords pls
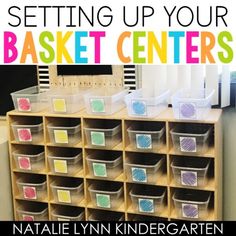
(188, 144)
(187, 110)
(190, 210)
(189, 178)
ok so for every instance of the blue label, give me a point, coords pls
(146, 205)
(139, 108)
(144, 141)
(139, 174)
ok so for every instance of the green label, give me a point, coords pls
(103, 200)
(99, 169)
(97, 105)
(98, 138)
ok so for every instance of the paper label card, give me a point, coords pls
(188, 144)
(190, 211)
(24, 163)
(103, 200)
(139, 107)
(63, 196)
(61, 136)
(29, 192)
(59, 105)
(98, 138)
(28, 218)
(62, 219)
(23, 104)
(97, 105)
(144, 141)
(100, 169)
(187, 111)
(139, 174)
(189, 178)
(60, 166)
(24, 135)
(146, 205)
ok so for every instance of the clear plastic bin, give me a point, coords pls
(143, 169)
(146, 136)
(67, 190)
(103, 135)
(104, 195)
(140, 106)
(32, 159)
(191, 138)
(147, 199)
(28, 133)
(32, 212)
(31, 99)
(32, 187)
(190, 171)
(193, 104)
(104, 101)
(67, 213)
(65, 100)
(191, 204)
(106, 165)
(64, 132)
(65, 161)
(100, 215)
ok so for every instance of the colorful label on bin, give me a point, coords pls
(24, 163)
(28, 218)
(187, 111)
(103, 200)
(63, 196)
(189, 178)
(139, 107)
(139, 174)
(23, 104)
(24, 135)
(62, 219)
(190, 211)
(97, 105)
(146, 205)
(60, 166)
(29, 192)
(61, 136)
(188, 144)
(98, 138)
(59, 105)
(100, 169)
(144, 141)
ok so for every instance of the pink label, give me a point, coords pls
(24, 163)
(29, 192)
(24, 104)
(28, 218)
(24, 135)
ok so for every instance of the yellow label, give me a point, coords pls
(61, 136)
(60, 166)
(59, 105)
(63, 196)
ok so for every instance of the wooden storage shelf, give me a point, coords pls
(165, 180)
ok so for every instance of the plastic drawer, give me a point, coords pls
(107, 165)
(106, 216)
(67, 213)
(190, 204)
(31, 99)
(104, 101)
(192, 104)
(190, 171)
(145, 107)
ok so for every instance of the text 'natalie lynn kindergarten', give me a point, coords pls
(124, 228)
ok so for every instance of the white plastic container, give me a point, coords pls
(146, 137)
(146, 107)
(106, 196)
(66, 100)
(147, 199)
(65, 161)
(99, 215)
(31, 160)
(64, 132)
(67, 190)
(190, 172)
(32, 212)
(32, 187)
(67, 213)
(106, 165)
(142, 169)
(104, 101)
(103, 135)
(191, 204)
(191, 138)
(192, 104)
(31, 99)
